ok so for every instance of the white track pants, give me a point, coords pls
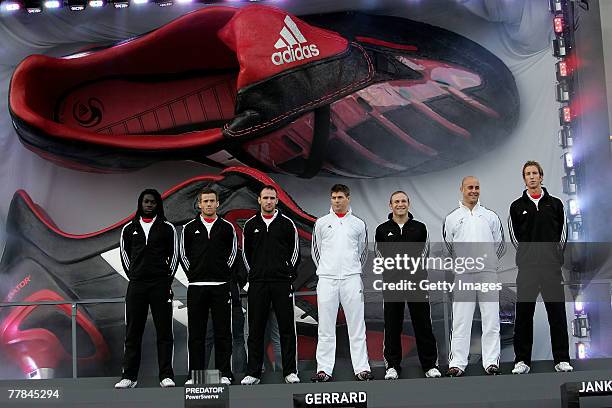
(464, 304)
(349, 293)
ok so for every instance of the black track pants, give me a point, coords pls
(217, 300)
(139, 296)
(280, 295)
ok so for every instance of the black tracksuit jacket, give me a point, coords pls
(411, 239)
(153, 259)
(539, 234)
(271, 253)
(208, 257)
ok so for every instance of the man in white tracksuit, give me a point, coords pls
(473, 231)
(339, 251)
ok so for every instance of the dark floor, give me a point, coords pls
(541, 389)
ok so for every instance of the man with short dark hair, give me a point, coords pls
(538, 231)
(339, 251)
(402, 234)
(271, 253)
(208, 250)
(149, 253)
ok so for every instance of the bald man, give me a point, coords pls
(473, 231)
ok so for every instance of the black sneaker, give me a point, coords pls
(454, 372)
(321, 376)
(364, 376)
(492, 370)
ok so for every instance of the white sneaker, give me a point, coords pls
(433, 373)
(166, 383)
(125, 383)
(189, 382)
(564, 366)
(292, 379)
(520, 368)
(391, 374)
(226, 381)
(250, 380)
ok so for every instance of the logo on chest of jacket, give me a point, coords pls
(197, 232)
(524, 212)
(389, 234)
(135, 233)
(256, 230)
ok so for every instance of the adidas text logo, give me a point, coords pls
(292, 40)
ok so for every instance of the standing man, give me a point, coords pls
(339, 251)
(149, 254)
(271, 252)
(391, 239)
(208, 250)
(473, 231)
(537, 226)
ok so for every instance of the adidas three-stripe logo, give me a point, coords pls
(293, 41)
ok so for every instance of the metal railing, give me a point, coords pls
(446, 300)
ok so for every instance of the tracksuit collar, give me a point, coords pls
(276, 212)
(544, 194)
(150, 222)
(474, 210)
(349, 212)
(204, 222)
(410, 217)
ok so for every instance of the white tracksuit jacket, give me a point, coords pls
(339, 245)
(475, 233)
(339, 251)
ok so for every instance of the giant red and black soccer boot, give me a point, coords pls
(37, 338)
(346, 93)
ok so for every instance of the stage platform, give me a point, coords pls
(540, 389)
